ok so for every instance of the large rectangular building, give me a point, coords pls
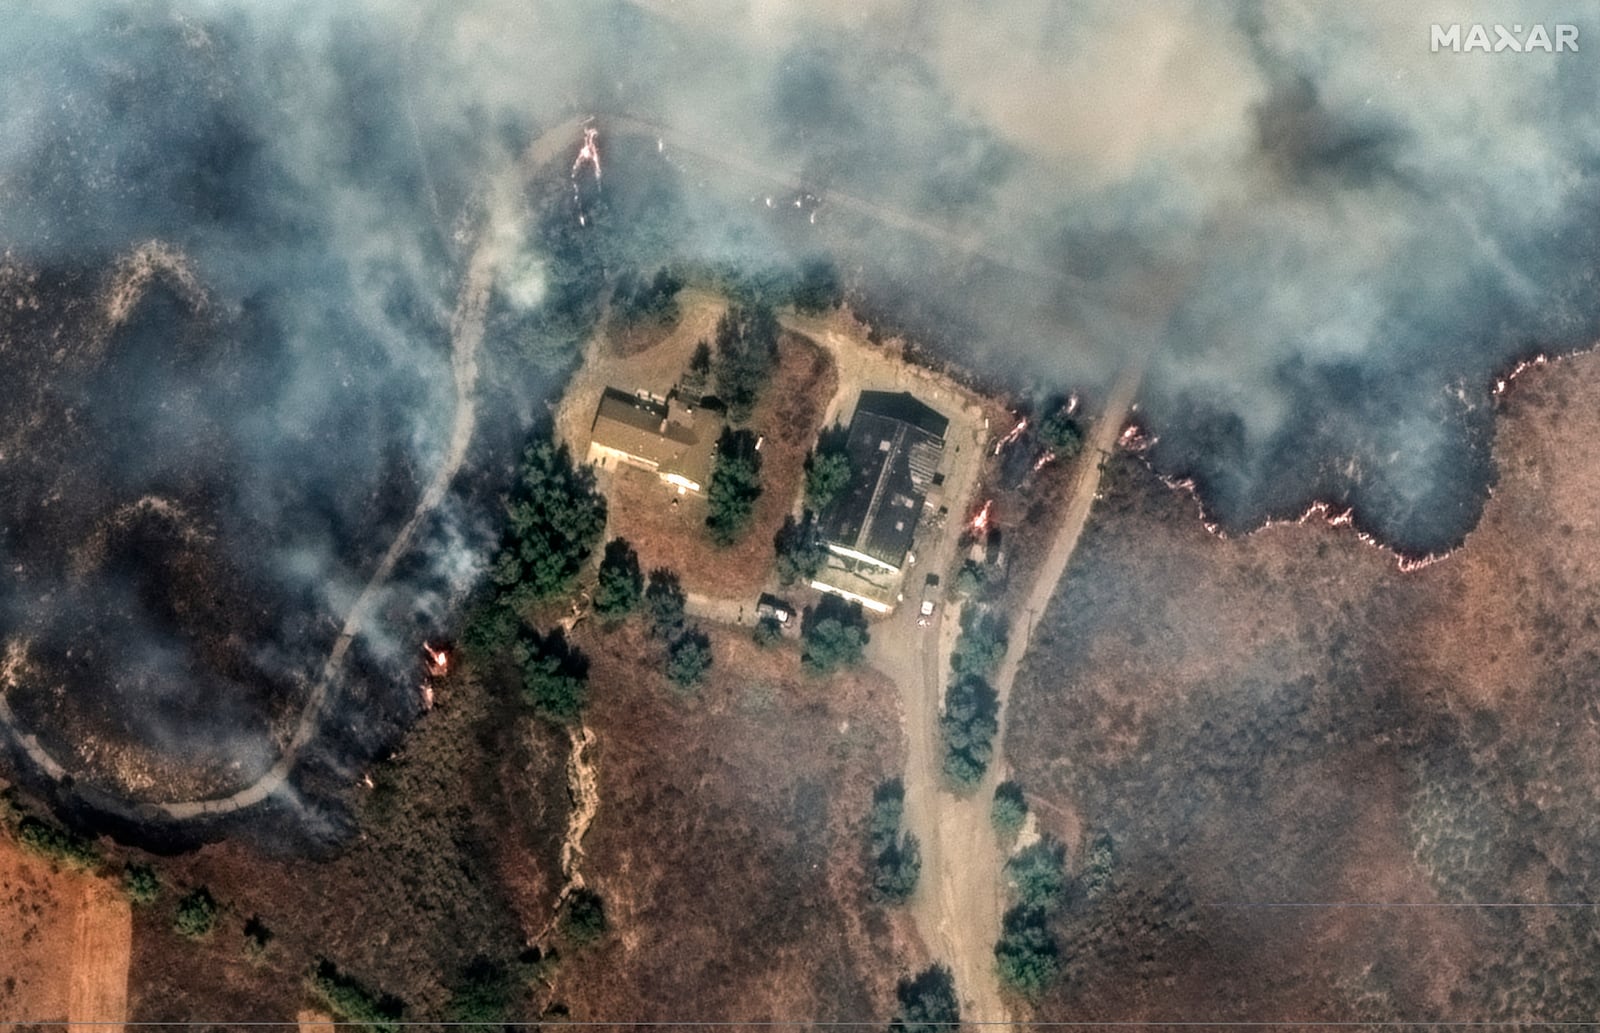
(894, 445)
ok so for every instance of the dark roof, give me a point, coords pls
(894, 446)
(904, 407)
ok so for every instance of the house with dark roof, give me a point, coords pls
(895, 444)
(667, 436)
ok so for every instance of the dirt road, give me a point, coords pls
(960, 900)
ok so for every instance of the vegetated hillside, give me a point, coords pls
(456, 862)
(1288, 718)
(730, 844)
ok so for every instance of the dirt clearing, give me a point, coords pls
(65, 939)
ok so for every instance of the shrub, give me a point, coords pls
(1026, 955)
(257, 938)
(688, 658)
(827, 473)
(196, 915)
(583, 917)
(1060, 432)
(896, 870)
(896, 858)
(481, 999)
(746, 356)
(834, 635)
(620, 586)
(664, 601)
(981, 645)
(1038, 875)
(141, 884)
(1098, 865)
(928, 1003)
(767, 632)
(554, 675)
(801, 551)
(735, 486)
(57, 844)
(351, 1002)
(968, 725)
(1009, 811)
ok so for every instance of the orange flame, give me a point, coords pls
(980, 523)
(1011, 435)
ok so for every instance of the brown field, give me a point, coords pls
(668, 530)
(1287, 718)
(65, 939)
(729, 845)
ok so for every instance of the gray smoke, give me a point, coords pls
(1325, 237)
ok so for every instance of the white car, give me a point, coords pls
(925, 615)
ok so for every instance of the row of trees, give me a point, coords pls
(971, 717)
(622, 589)
(1027, 955)
(896, 856)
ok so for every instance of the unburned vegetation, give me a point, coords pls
(1219, 728)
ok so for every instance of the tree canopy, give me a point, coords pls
(827, 473)
(664, 601)
(735, 486)
(746, 356)
(554, 675)
(555, 517)
(927, 1003)
(620, 587)
(834, 635)
(688, 658)
(968, 725)
(800, 549)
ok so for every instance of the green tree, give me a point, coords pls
(688, 658)
(664, 602)
(968, 724)
(896, 870)
(1060, 432)
(746, 356)
(583, 917)
(1038, 877)
(1009, 811)
(555, 517)
(554, 675)
(927, 1003)
(735, 486)
(352, 1002)
(800, 549)
(620, 586)
(481, 999)
(888, 804)
(654, 300)
(982, 643)
(827, 473)
(141, 884)
(1027, 956)
(57, 844)
(767, 632)
(834, 635)
(196, 915)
